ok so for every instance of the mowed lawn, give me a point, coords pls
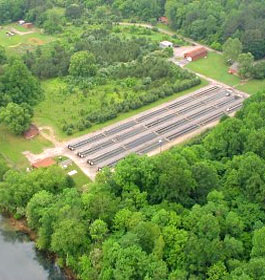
(144, 32)
(21, 43)
(11, 148)
(252, 86)
(60, 106)
(214, 67)
(81, 180)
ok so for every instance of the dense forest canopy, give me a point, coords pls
(215, 21)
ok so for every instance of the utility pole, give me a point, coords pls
(160, 145)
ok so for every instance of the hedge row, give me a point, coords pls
(111, 112)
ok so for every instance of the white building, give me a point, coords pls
(166, 44)
(21, 22)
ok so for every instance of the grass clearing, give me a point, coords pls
(20, 43)
(214, 67)
(11, 148)
(55, 109)
(144, 32)
(81, 180)
(252, 86)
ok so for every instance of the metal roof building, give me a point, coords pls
(166, 44)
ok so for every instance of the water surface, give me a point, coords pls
(20, 260)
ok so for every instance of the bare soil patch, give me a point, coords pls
(36, 41)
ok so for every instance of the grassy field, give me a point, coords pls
(252, 86)
(21, 43)
(81, 180)
(214, 67)
(140, 32)
(54, 109)
(11, 148)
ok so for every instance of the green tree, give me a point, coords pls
(175, 182)
(245, 61)
(256, 142)
(3, 57)
(246, 173)
(19, 85)
(232, 48)
(73, 11)
(11, 10)
(148, 233)
(36, 208)
(19, 187)
(259, 70)
(3, 169)
(217, 272)
(16, 117)
(206, 179)
(258, 249)
(53, 22)
(83, 64)
(69, 236)
(98, 230)
(100, 204)
(227, 139)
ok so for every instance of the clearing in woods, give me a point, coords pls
(23, 39)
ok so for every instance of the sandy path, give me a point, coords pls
(20, 33)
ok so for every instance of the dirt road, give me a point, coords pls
(14, 30)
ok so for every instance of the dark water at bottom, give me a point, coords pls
(20, 260)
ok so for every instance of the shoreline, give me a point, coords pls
(21, 226)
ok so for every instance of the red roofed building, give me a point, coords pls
(233, 69)
(196, 54)
(28, 25)
(163, 20)
(44, 163)
(32, 132)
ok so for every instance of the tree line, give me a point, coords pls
(20, 91)
(213, 22)
(247, 67)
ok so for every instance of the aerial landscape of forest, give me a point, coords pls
(132, 139)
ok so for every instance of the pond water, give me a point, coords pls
(20, 260)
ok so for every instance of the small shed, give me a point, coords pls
(44, 163)
(28, 25)
(166, 44)
(164, 20)
(21, 22)
(233, 69)
(32, 132)
(196, 54)
(66, 163)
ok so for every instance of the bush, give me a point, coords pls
(259, 70)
